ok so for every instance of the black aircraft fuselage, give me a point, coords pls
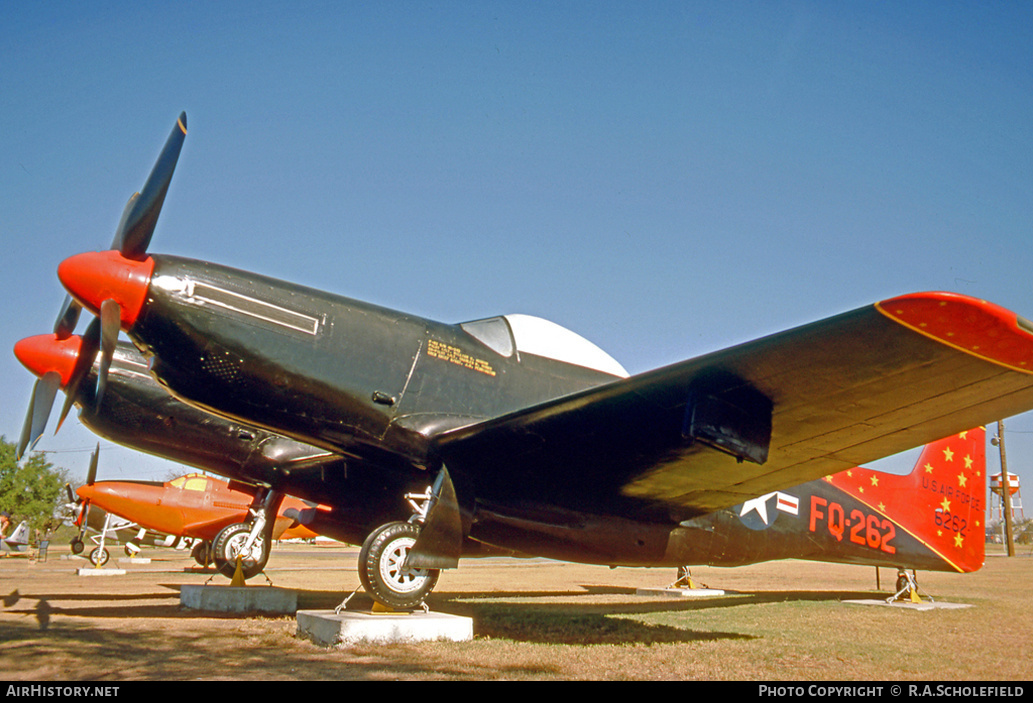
(800, 522)
(333, 371)
(376, 386)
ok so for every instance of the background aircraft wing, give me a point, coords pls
(842, 392)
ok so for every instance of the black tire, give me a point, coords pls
(202, 553)
(78, 546)
(99, 556)
(227, 546)
(382, 572)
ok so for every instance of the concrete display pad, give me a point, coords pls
(94, 571)
(681, 592)
(329, 629)
(239, 599)
(908, 605)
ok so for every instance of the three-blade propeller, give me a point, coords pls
(132, 237)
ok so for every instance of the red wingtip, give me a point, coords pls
(46, 352)
(974, 326)
(94, 277)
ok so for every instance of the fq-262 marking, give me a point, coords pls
(866, 529)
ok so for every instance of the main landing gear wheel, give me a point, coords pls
(202, 553)
(382, 570)
(78, 546)
(230, 542)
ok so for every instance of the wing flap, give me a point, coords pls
(844, 391)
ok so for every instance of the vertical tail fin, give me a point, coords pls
(20, 537)
(941, 504)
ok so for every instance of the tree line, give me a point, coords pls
(32, 489)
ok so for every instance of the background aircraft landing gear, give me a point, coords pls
(251, 541)
(202, 553)
(99, 556)
(78, 546)
(231, 542)
(382, 569)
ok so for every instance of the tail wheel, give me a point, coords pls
(382, 569)
(229, 544)
(99, 556)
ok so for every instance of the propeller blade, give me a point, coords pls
(91, 476)
(84, 519)
(69, 317)
(71, 493)
(87, 352)
(42, 401)
(141, 215)
(91, 473)
(110, 323)
(116, 243)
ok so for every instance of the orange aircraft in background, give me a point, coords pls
(194, 506)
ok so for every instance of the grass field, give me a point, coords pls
(533, 620)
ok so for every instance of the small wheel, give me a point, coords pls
(228, 545)
(78, 546)
(382, 570)
(99, 556)
(202, 553)
(131, 549)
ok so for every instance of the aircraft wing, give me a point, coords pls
(835, 394)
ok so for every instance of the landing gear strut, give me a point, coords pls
(250, 541)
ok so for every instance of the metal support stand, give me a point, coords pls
(684, 579)
(909, 587)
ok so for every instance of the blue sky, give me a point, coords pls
(664, 178)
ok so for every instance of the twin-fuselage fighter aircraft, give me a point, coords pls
(513, 434)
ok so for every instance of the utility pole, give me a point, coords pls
(1005, 491)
